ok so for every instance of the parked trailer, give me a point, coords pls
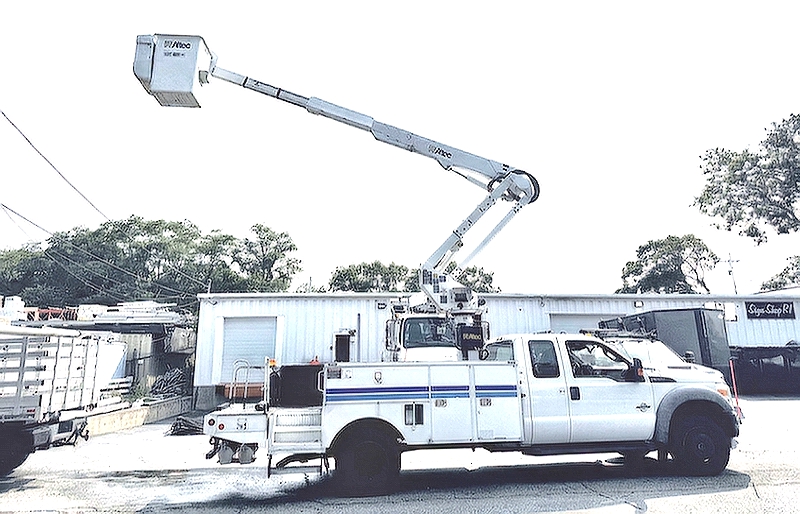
(49, 380)
(700, 335)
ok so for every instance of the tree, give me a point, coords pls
(790, 276)
(18, 270)
(753, 190)
(136, 259)
(265, 260)
(372, 277)
(671, 265)
(377, 277)
(475, 278)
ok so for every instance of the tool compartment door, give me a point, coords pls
(497, 407)
(451, 411)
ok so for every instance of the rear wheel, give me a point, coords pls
(367, 462)
(700, 446)
(13, 452)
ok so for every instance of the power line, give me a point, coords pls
(12, 220)
(84, 281)
(7, 209)
(97, 258)
(52, 165)
(176, 270)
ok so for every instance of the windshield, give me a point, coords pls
(424, 332)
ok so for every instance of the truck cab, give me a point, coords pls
(419, 331)
(584, 390)
(421, 337)
(579, 391)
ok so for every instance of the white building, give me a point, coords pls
(296, 328)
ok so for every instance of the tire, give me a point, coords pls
(367, 462)
(13, 452)
(699, 446)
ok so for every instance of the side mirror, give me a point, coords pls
(636, 372)
(688, 356)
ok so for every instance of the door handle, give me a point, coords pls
(574, 393)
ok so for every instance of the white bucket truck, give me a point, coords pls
(538, 394)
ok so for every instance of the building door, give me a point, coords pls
(250, 339)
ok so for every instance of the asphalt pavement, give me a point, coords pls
(146, 470)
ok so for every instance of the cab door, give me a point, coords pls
(603, 405)
(548, 403)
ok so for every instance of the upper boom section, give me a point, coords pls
(168, 67)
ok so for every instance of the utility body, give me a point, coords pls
(49, 381)
(538, 394)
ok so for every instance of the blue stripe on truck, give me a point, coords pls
(417, 392)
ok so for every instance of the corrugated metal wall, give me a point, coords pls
(307, 322)
(306, 327)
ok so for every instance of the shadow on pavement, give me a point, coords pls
(542, 487)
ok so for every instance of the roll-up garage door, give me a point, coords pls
(251, 339)
(574, 323)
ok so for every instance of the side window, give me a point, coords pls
(590, 359)
(502, 351)
(543, 359)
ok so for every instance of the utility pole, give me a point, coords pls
(730, 262)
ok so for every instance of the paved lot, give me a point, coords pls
(143, 470)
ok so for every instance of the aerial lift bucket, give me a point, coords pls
(169, 66)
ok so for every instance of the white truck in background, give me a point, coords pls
(447, 320)
(49, 381)
(538, 394)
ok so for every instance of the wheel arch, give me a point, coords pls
(693, 400)
(363, 424)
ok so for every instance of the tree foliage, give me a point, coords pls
(265, 261)
(372, 277)
(671, 265)
(137, 259)
(790, 276)
(753, 190)
(476, 278)
(378, 277)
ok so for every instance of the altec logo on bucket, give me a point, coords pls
(176, 43)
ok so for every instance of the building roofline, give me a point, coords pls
(783, 295)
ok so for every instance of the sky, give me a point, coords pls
(608, 104)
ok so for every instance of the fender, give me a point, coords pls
(680, 396)
(377, 422)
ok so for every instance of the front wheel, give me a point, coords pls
(700, 446)
(367, 462)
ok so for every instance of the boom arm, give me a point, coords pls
(166, 65)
